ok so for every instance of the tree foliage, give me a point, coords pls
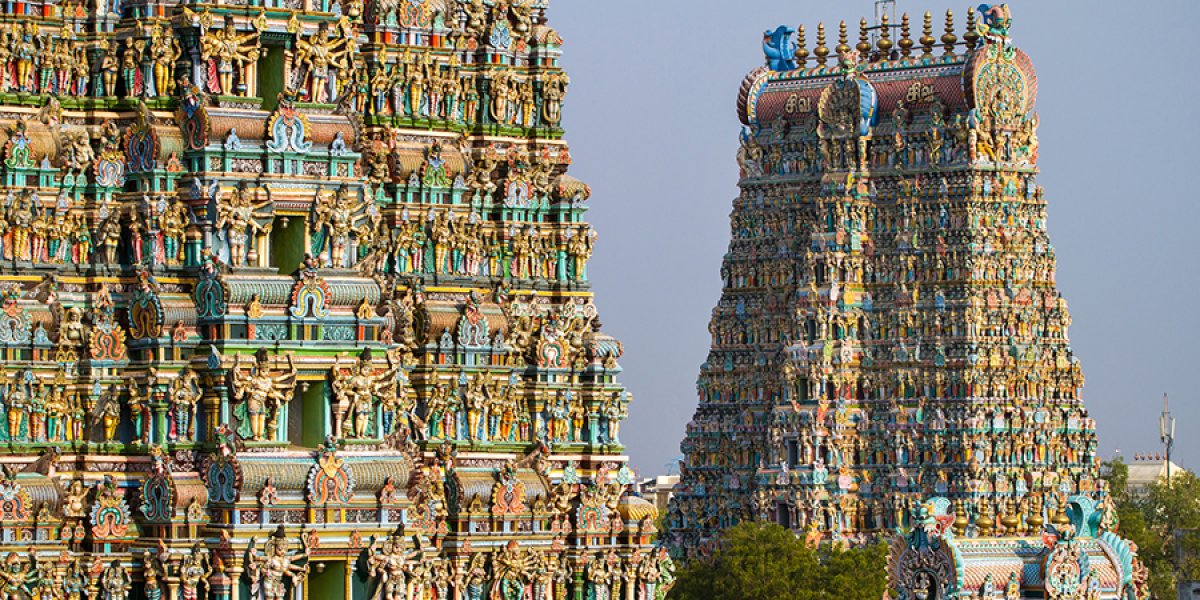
(765, 561)
(1164, 522)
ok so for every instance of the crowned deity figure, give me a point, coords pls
(184, 398)
(115, 582)
(270, 571)
(154, 574)
(108, 414)
(194, 568)
(511, 569)
(262, 392)
(231, 54)
(164, 51)
(335, 218)
(356, 392)
(15, 578)
(25, 51)
(173, 223)
(392, 564)
(139, 410)
(319, 55)
(239, 218)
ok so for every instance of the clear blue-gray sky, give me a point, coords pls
(651, 120)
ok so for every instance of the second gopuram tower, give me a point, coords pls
(890, 330)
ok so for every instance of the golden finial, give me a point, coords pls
(1012, 517)
(1060, 518)
(801, 47)
(960, 519)
(843, 41)
(864, 44)
(906, 43)
(984, 522)
(971, 36)
(885, 39)
(948, 38)
(927, 39)
(821, 51)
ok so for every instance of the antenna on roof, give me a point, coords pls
(885, 17)
(1166, 433)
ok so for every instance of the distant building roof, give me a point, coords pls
(1150, 468)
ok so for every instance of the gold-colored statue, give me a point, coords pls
(15, 578)
(241, 218)
(164, 51)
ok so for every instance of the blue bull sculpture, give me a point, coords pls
(780, 50)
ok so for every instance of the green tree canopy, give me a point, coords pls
(760, 561)
(1164, 522)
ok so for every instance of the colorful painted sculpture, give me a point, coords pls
(890, 351)
(317, 265)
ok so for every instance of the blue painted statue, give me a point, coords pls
(780, 50)
(995, 21)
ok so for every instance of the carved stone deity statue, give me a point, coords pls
(115, 582)
(262, 393)
(511, 569)
(391, 565)
(270, 571)
(15, 578)
(241, 218)
(184, 399)
(232, 54)
(319, 58)
(356, 392)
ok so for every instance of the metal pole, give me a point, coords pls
(1166, 434)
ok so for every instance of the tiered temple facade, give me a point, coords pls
(295, 305)
(890, 351)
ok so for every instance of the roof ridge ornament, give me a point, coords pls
(779, 49)
(995, 22)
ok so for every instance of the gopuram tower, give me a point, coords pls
(890, 351)
(294, 303)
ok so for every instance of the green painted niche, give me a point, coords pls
(308, 415)
(287, 243)
(329, 582)
(270, 77)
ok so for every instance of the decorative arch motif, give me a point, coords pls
(310, 296)
(16, 326)
(107, 342)
(211, 294)
(848, 108)
(110, 515)
(508, 495)
(330, 480)
(110, 165)
(473, 325)
(141, 143)
(924, 565)
(145, 311)
(158, 492)
(193, 119)
(999, 85)
(415, 14)
(18, 152)
(288, 128)
(1067, 573)
(223, 478)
